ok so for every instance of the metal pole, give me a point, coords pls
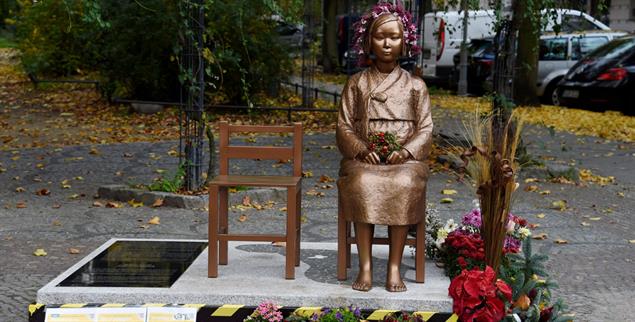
(462, 86)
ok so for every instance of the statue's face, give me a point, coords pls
(386, 41)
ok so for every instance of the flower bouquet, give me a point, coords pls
(383, 143)
(479, 296)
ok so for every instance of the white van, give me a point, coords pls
(443, 35)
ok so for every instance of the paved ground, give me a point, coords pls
(594, 270)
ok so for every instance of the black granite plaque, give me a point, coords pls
(137, 264)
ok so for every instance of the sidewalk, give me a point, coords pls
(593, 269)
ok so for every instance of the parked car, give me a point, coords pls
(480, 61)
(605, 77)
(442, 35)
(557, 53)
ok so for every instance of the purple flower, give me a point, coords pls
(472, 218)
(338, 316)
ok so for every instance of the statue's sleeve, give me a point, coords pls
(421, 140)
(348, 141)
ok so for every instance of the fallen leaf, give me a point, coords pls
(112, 204)
(43, 192)
(560, 241)
(134, 204)
(20, 204)
(79, 178)
(65, 184)
(531, 188)
(314, 192)
(159, 171)
(328, 147)
(73, 196)
(584, 223)
(620, 194)
(97, 204)
(325, 179)
(522, 302)
(595, 218)
(540, 236)
(19, 189)
(632, 241)
(39, 165)
(173, 153)
(73, 251)
(529, 180)
(540, 216)
(56, 223)
(39, 252)
(559, 205)
(447, 200)
(242, 218)
(119, 173)
(283, 209)
(57, 206)
(246, 201)
(157, 203)
(154, 221)
(144, 226)
(304, 219)
(307, 174)
(545, 192)
(448, 192)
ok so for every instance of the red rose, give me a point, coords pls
(462, 262)
(381, 134)
(476, 295)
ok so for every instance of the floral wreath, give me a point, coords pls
(409, 27)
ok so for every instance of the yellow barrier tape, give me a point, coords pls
(113, 305)
(226, 310)
(380, 314)
(307, 311)
(73, 305)
(34, 307)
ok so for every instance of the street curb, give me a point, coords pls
(125, 193)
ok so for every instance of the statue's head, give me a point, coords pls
(385, 39)
(386, 32)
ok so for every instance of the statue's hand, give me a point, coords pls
(397, 157)
(371, 158)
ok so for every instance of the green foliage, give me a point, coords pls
(54, 39)
(170, 185)
(527, 276)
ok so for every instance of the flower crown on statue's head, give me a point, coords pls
(362, 27)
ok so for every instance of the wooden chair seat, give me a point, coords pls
(219, 233)
(256, 181)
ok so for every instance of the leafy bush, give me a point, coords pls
(135, 46)
(55, 39)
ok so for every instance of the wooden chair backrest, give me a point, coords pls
(293, 152)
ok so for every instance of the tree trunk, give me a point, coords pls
(527, 55)
(329, 36)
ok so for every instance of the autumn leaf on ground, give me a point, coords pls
(559, 205)
(39, 166)
(595, 218)
(328, 147)
(97, 204)
(447, 200)
(584, 223)
(540, 236)
(283, 209)
(159, 171)
(19, 189)
(134, 204)
(93, 151)
(112, 204)
(39, 252)
(545, 192)
(307, 174)
(530, 180)
(314, 192)
(242, 218)
(326, 179)
(79, 178)
(173, 153)
(65, 184)
(448, 192)
(73, 251)
(561, 241)
(57, 206)
(73, 196)
(531, 188)
(154, 221)
(632, 241)
(157, 203)
(540, 216)
(43, 192)
(20, 204)
(246, 201)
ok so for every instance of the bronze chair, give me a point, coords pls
(345, 239)
(218, 194)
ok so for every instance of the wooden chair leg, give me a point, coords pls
(342, 247)
(298, 231)
(224, 226)
(212, 266)
(291, 234)
(420, 252)
(348, 245)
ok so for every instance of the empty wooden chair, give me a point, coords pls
(218, 193)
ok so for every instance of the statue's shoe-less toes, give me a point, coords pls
(396, 287)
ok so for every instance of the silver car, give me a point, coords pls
(559, 52)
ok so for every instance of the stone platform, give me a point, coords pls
(256, 273)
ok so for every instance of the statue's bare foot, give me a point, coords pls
(394, 283)
(364, 281)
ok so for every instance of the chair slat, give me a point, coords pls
(260, 128)
(255, 181)
(252, 237)
(261, 152)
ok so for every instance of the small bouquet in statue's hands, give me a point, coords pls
(383, 143)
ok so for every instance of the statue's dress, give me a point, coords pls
(397, 103)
